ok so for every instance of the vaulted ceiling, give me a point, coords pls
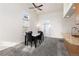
(74, 9)
(47, 7)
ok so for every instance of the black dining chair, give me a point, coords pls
(26, 36)
(30, 38)
(40, 37)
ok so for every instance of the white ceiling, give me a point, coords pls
(47, 7)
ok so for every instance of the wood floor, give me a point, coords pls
(49, 47)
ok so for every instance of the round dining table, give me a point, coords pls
(35, 34)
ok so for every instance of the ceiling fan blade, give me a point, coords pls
(40, 5)
(39, 9)
(34, 5)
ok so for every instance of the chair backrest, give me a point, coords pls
(29, 36)
(30, 32)
(41, 33)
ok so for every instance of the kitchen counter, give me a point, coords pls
(72, 44)
(71, 39)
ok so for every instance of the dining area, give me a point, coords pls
(33, 39)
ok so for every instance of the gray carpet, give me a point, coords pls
(49, 47)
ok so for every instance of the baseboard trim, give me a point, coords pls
(55, 38)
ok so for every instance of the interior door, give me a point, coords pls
(47, 29)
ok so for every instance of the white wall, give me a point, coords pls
(68, 23)
(33, 21)
(59, 25)
(55, 19)
(11, 23)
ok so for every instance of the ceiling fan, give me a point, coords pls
(35, 6)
